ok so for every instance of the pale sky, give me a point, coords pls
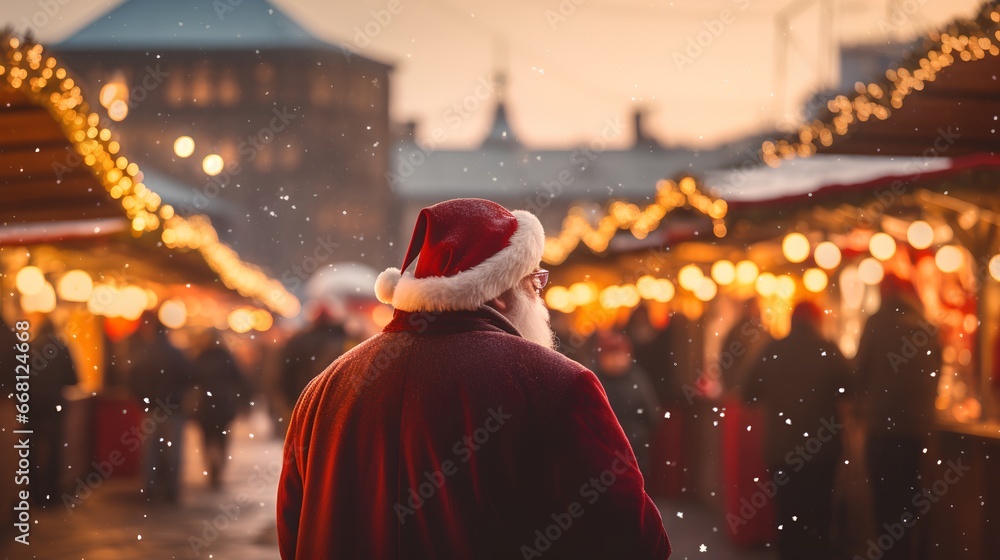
(704, 70)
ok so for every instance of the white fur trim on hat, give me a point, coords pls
(469, 289)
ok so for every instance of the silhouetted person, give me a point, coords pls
(630, 393)
(799, 381)
(221, 389)
(899, 364)
(159, 378)
(52, 370)
(742, 347)
(309, 352)
(653, 352)
(742, 426)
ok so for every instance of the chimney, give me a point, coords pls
(640, 137)
(408, 132)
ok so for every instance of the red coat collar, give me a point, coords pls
(483, 319)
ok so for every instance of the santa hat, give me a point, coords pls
(471, 251)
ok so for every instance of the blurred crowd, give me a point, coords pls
(789, 407)
(785, 408)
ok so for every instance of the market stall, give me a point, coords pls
(896, 177)
(87, 244)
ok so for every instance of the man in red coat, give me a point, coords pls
(458, 432)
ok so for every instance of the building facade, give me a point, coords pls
(245, 105)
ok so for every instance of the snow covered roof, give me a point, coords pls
(808, 176)
(192, 24)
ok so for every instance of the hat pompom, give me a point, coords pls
(385, 284)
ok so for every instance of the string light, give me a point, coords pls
(690, 277)
(882, 246)
(184, 146)
(974, 41)
(40, 78)
(994, 267)
(723, 272)
(827, 255)
(670, 195)
(949, 258)
(870, 271)
(815, 280)
(766, 284)
(29, 280)
(75, 285)
(746, 272)
(920, 234)
(795, 247)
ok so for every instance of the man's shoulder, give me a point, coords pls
(492, 353)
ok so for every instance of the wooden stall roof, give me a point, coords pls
(64, 180)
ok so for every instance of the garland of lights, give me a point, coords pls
(41, 78)
(872, 101)
(622, 215)
(879, 99)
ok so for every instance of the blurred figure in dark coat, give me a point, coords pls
(630, 392)
(308, 352)
(160, 377)
(899, 364)
(52, 370)
(742, 347)
(799, 381)
(220, 392)
(653, 351)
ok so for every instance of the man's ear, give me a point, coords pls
(502, 301)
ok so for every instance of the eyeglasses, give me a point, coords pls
(539, 278)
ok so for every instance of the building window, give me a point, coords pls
(176, 87)
(320, 90)
(201, 85)
(265, 75)
(229, 88)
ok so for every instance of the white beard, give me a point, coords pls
(530, 317)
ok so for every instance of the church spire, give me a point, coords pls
(501, 133)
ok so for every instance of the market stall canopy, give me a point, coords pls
(63, 179)
(824, 175)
